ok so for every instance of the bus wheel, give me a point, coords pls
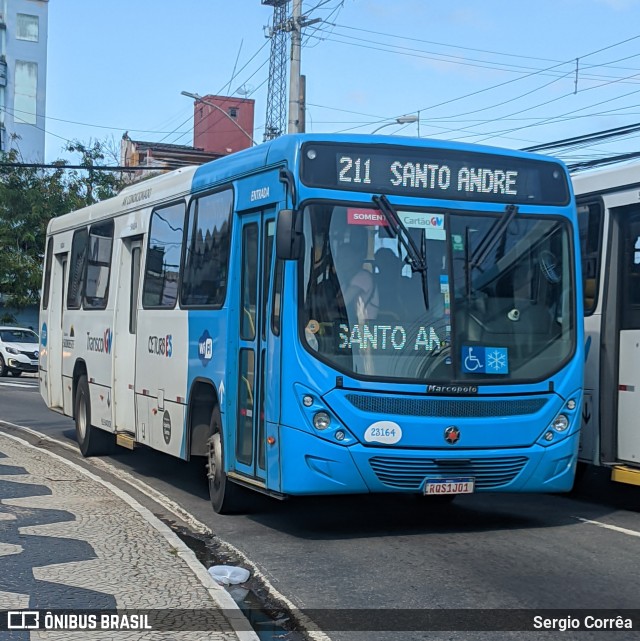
(224, 494)
(92, 441)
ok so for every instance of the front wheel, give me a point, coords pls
(92, 441)
(3, 367)
(225, 495)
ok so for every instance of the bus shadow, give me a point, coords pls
(595, 497)
(351, 516)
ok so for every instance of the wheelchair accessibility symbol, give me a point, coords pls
(485, 360)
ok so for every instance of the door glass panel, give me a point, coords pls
(244, 440)
(249, 281)
(630, 274)
(135, 284)
(269, 236)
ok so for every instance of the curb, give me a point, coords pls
(218, 594)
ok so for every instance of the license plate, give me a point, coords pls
(435, 487)
(34, 362)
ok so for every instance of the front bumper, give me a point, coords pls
(314, 466)
(20, 365)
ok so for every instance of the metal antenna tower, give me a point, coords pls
(276, 123)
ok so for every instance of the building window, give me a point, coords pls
(26, 82)
(27, 28)
(233, 112)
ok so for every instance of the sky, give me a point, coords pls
(514, 73)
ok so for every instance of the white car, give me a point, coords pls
(19, 350)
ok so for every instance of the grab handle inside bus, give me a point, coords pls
(289, 235)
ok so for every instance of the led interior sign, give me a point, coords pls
(434, 173)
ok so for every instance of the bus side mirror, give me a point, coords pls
(289, 235)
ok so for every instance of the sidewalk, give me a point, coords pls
(69, 540)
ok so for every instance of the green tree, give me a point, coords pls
(29, 198)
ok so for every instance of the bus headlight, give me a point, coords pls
(321, 420)
(560, 423)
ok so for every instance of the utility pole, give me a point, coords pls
(294, 69)
(277, 90)
(276, 97)
(296, 92)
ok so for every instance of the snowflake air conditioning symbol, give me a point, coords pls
(485, 360)
(497, 362)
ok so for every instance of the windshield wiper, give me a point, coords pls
(417, 259)
(491, 238)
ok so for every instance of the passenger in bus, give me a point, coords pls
(400, 296)
(358, 286)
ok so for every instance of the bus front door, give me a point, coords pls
(629, 349)
(258, 353)
(124, 348)
(55, 338)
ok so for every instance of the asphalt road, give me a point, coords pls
(578, 551)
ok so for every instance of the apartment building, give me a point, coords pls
(23, 77)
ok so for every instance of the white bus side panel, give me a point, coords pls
(629, 396)
(161, 376)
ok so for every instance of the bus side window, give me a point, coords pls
(206, 260)
(590, 226)
(96, 291)
(77, 269)
(162, 270)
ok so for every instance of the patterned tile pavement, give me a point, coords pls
(69, 541)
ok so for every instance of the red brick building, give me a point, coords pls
(223, 124)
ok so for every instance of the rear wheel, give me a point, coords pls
(226, 497)
(92, 441)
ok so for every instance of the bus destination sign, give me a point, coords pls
(434, 173)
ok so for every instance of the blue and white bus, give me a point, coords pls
(327, 314)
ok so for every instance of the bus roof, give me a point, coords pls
(603, 180)
(275, 152)
(147, 192)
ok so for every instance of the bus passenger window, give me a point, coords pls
(163, 257)
(206, 262)
(77, 269)
(98, 265)
(590, 227)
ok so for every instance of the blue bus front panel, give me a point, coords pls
(313, 466)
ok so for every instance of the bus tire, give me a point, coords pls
(91, 440)
(225, 495)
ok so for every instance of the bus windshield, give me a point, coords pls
(495, 303)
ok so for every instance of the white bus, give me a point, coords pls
(609, 219)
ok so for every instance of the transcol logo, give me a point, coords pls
(101, 344)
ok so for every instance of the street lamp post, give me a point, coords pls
(401, 120)
(199, 98)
